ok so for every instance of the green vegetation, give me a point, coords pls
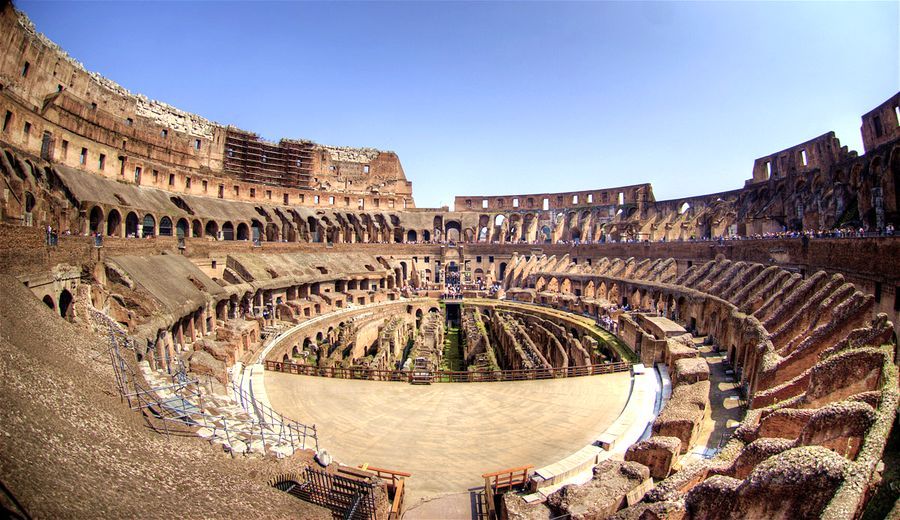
(453, 359)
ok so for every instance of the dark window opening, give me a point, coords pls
(25, 69)
(877, 292)
(27, 128)
(187, 182)
(171, 179)
(129, 122)
(164, 133)
(101, 162)
(7, 119)
(879, 131)
(196, 144)
(83, 159)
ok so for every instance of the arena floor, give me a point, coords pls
(448, 434)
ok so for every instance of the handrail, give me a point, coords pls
(397, 504)
(448, 376)
(182, 410)
(397, 484)
(507, 478)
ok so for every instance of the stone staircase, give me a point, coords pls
(219, 418)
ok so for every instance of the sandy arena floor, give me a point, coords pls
(448, 434)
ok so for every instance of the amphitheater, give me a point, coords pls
(198, 322)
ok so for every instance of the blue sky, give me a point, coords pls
(501, 98)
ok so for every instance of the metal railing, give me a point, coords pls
(184, 408)
(290, 428)
(448, 376)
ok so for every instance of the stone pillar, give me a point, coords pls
(169, 352)
(179, 336)
(191, 329)
(160, 351)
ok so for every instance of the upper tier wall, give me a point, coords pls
(89, 122)
(622, 195)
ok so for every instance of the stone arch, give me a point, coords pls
(131, 224)
(183, 228)
(243, 231)
(228, 231)
(613, 295)
(212, 229)
(453, 231)
(256, 229)
(65, 304)
(113, 223)
(589, 290)
(196, 229)
(148, 225)
(165, 227)
(553, 285)
(411, 235)
(95, 220)
(272, 234)
(48, 301)
(30, 202)
(313, 229)
(602, 291)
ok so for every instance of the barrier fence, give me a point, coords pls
(448, 376)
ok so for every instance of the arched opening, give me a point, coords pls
(196, 229)
(65, 304)
(243, 231)
(684, 207)
(165, 227)
(453, 231)
(48, 301)
(545, 232)
(426, 236)
(272, 232)
(95, 220)
(228, 231)
(131, 224)
(313, 229)
(113, 223)
(411, 236)
(212, 229)
(29, 202)
(182, 229)
(502, 272)
(148, 226)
